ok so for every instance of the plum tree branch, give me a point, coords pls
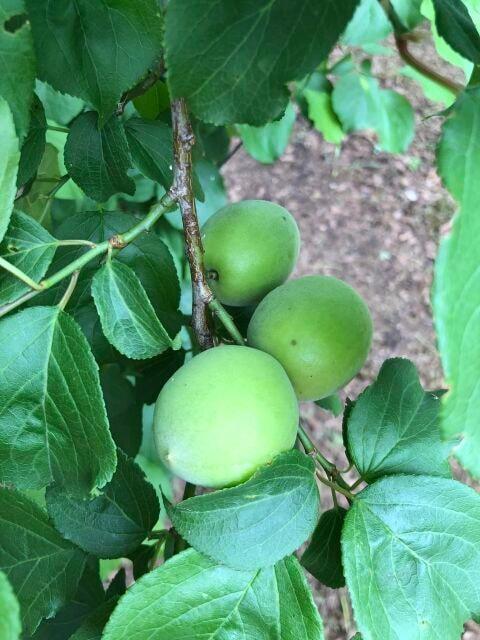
(183, 141)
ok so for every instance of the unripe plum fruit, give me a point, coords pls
(251, 247)
(318, 328)
(223, 414)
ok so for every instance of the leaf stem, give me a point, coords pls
(69, 290)
(183, 141)
(333, 485)
(4, 264)
(226, 319)
(311, 449)
(6, 308)
(74, 243)
(357, 483)
(51, 127)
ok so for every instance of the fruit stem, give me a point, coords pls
(226, 319)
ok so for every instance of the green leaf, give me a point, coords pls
(258, 522)
(323, 556)
(394, 426)
(332, 403)
(93, 626)
(86, 599)
(191, 597)
(369, 24)
(95, 51)
(155, 101)
(43, 569)
(59, 107)
(98, 159)
(432, 90)
(17, 64)
(10, 626)
(33, 147)
(52, 417)
(411, 558)
(128, 318)
(361, 104)
(116, 522)
(30, 248)
(456, 297)
(249, 51)
(124, 411)
(9, 159)
(408, 11)
(150, 144)
(455, 25)
(324, 118)
(153, 375)
(266, 144)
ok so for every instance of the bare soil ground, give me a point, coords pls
(374, 220)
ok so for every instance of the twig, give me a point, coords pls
(183, 141)
(6, 308)
(227, 321)
(51, 127)
(231, 153)
(4, 264)
(69, 290)
(337, 487)
(142, 87)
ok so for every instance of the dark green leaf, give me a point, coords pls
(123, 409)
(43, 569)
(191, 597)
(333, 404)
(17, 64)
(155, 101)
(211, 143)
(266, 144)
(323, 556)
(53, 422)
(128, 318)
(411, 558)
(9, 159)
(93, 626)
(87, 598)
(455, 25)
(238, 57)
(30, 248)
(117, 586)
(95, 51)
(141, 558)
(10, 626)
(59, 107)
(33, 147)
(153, 375)
(394, 426)
(116, 522)
(89, 321)
(150, 144)
(258, 522)
(98, 159)
(457, 281)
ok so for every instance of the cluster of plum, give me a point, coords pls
(231, 409)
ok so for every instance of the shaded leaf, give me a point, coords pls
(394, 426)
(114, 523)
(43, 569)
(153, 375)
(155, 101)
(266, 144)
(10, 626)
(455, 25)
(98, 159)
(411, 558)
(33, 147)
(258, 522)
(9, 159)
(323, 556)
(250, 51)
(151, 147)
(93, 626)
(53, 423)
(190, 596)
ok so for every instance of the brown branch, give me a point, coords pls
(408, 57)
(183, 141)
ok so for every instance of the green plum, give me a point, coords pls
(226, 412)
(318, 328)
(250, 248)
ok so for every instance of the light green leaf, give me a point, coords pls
(250, 50)
(53, 423)
(369, 24)
(457, 281)
(408, 11)
(17, 64)
(59, 107)
(30, 248)
(98, 159)
(323, 556)
(411, 558)
(361, 104)
(128, 318)
(9, 159)
(324, 118)
(191, 597)
(258, 522)
(266, 144)
(155, 101)
(150, 144)
(113, 524)
(43, 569)
(394, 427)
(95, 51)
(331, 403)
(432, 90)
(10, 626)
